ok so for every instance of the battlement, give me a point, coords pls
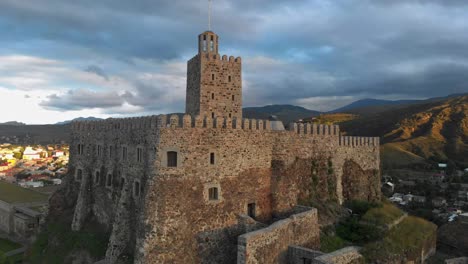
(116, 123)
(315, 129)
(173, 121)
(359, 141)
(223, 59)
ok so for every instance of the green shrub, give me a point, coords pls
(65, 242)
(355, 231)
(331, 243)
(361, 207)
(384, 215)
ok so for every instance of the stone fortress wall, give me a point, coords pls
(158, 209)
(183, 190)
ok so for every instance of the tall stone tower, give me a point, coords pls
(214, 83)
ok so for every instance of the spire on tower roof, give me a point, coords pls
(209, 14)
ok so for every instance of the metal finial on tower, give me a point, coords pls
(209, 15)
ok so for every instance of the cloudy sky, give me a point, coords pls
(61, 59)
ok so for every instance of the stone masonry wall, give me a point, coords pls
(270, 245)
(214, 86)
(112, 169)
(253, 165)
(178, 211)
(223, 95)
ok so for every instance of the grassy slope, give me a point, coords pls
(405, 239)
(57, 242)
(7, 245)
(14, 194)
(393, 155)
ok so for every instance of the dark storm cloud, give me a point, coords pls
(97, 70)
(82, 99)
(292, 49)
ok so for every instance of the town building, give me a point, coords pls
(211, 186)
(31, 154)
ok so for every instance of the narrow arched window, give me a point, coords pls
(97, 178)
(171, 159)
(212, 96)
(136, 189)
(109, 180)
(139, 155)
(79, 175)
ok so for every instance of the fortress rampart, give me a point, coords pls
(184, 188)
(272, 169)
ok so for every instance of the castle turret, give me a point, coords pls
(214, 83)
(208, 42)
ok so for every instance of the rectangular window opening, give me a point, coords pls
(124, 153)
(80, 149)
(212, 158)
(212, 96)
(98, 178)
(122, 183)
(171, 159)
(233, 97)
(136, 189)
(213, 194)
(251, 210)
(140, 155)
(110, 152)
(79, 175)
(109, 180)
(229, 78)
(212, 77)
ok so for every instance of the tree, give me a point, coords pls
(18, 155)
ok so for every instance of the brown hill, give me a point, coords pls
(436, 129)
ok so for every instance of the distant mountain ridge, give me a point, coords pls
(372, 103)
(432, 129)
(91, 118)
(285, 113)
(13, 123)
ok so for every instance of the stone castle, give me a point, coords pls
(212, 187)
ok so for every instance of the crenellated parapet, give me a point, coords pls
(359, 141)
(147, 122)
(171, 122)
(315, 129)
(188, 121)
(225, 59)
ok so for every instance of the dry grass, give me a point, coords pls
(11, 193)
